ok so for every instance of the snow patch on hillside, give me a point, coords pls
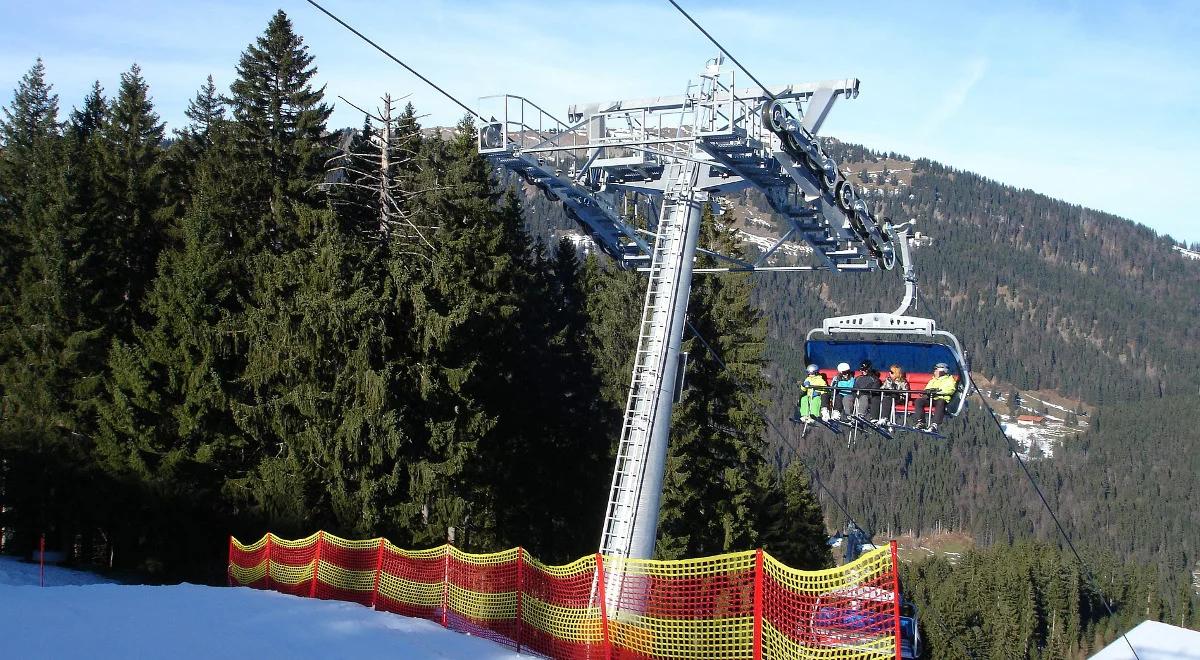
(1187, 254)
(1034, 442)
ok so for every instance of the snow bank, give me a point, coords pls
(189, 621)
(14, 572)
(1154, 641)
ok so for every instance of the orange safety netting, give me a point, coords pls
(739, 605)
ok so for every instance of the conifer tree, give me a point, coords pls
(206, 111)
(282, 118)
(614, 300)
(470, 315)
(165, 423)
(47, 344)
(792, 524)
(206, 115)
(130, 200)
(27, 137)
(323, 407)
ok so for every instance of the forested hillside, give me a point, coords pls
(1032, 600)
(233, 331)
(1043, 294)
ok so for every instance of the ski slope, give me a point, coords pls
(86, 617)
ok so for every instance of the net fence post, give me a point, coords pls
(446, 585)
(896, 596)
(268, 574)
(603, 607)
(312, 589)
(758, 603)
(520, 593)
(229, 564)
(378, 572)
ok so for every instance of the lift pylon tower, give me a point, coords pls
(715, 138)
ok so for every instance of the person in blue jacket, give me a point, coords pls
(843, 397)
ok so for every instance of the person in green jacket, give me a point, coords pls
(938, 393)
(812, 395)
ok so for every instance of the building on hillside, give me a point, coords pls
(1031, 420)
(1153, 640)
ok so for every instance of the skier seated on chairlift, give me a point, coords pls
(866, 386)
(814, 398)
(940, 391)
(894, 395)
(843, 396)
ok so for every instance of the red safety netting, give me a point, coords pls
(739, 605)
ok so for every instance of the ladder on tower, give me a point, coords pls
(632, 501)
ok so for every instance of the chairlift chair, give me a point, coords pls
(914, 343)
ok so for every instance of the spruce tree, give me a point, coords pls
(130, 200)
(792, 524)
(48, 345)
(205, 111)
(472, 327)
(614, 300)
(323, 407)
(282, 119)
(165, 422)
(27, 153)
(206, 115)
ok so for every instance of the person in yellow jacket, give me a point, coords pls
(812, 395)
(938, 393)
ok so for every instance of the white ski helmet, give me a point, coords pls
(812, 369)
(843, 367)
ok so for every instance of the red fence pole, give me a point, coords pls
(268, 560)
(758, 603)
(42, 560)
(603, 606)
(445, 585)
(312, 589)
(378, 572)
(896, 596)
(520, 592)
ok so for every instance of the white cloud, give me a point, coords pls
(955, 97)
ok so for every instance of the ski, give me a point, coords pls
(874, 427)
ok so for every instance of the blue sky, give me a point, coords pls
(1094, 102)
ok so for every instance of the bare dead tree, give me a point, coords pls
(376, 173)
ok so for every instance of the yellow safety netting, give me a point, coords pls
(737, 605)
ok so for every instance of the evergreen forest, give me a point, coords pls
(255, 322)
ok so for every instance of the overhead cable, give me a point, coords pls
(1013, 449)
(767, 418)
(722, 48)
(395, 59)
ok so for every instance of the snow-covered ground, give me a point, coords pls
(14, 572)
(1154, 640)
(1189, 254)
(1045, 437)
(97, 620)
(1028, 437)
